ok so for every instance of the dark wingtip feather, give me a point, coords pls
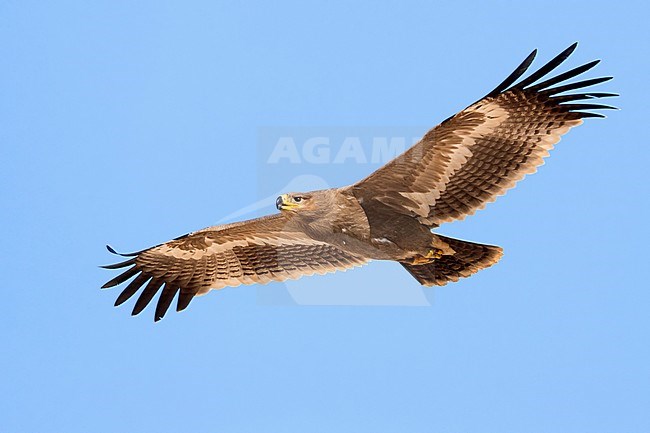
(583, 115)
(130, 290)
(603, 95)
(184, 299)
(146, 296)
(563, 76)
(521, 69)
(121, 278)
(548, 67)
(573, 107)
(165, 300)
(579, 96)
(112, 251)
(119, 265)
(576, 85)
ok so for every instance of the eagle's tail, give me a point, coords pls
(468, 259)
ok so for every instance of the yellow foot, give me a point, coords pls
(434, 253)
(431, 255)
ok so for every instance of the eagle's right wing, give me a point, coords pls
(478, 154)
(255, 251)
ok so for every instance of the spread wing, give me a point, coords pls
(256, 251)
(478, 154)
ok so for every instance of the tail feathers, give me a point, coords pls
(468, 259)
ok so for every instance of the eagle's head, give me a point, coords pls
(314, 203)
(324, 212)
(321, 210)
(295, 202)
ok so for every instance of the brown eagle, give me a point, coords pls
(454, 170)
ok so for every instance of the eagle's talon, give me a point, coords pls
(434, 253)
(431, 255)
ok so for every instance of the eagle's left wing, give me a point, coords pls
(256, 251)
(478, 154)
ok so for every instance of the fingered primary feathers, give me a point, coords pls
(455, 169)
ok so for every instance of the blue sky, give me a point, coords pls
(132, 124)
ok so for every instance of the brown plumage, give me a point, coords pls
(457, 168)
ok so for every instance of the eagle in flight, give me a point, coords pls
(454, 170)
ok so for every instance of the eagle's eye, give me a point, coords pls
(297, 199)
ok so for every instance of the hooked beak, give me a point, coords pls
(283, 203)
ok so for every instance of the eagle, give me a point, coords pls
(457, 167)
